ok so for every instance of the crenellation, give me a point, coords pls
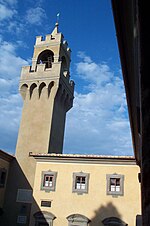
(72, 84)
(38, 40)
(66, 74)
(49, 39)
(65, 44)
(40, 67)
(68, 50)
(25, 70)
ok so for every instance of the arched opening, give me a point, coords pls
(77, 219)
(50, 87)
(23, 90)
(32, 87)
(113, 221)
(46, 57)
(43, 218)
(41, 87)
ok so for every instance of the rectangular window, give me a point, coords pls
(2, 177)
(115, 184)
(80, 182)
(48, 182)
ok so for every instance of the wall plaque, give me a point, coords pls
(24, 195)
(46, 203)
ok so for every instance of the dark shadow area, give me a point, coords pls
(107, 215)
(15, 210)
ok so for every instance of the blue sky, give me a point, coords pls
(98, 122)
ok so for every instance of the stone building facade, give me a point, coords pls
(86, 190)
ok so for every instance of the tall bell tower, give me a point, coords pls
(47, 92)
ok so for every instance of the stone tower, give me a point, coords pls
(47, 92)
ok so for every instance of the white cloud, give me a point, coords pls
(9, 121)
(9, 61)
(83, 56)
(9, 18)
(35, 15)
(97, 123)
(6, 13)
(10, 100)
(92, 72)
(18, 24)
(17, 27)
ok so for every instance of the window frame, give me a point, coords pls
(74, 187)
(77, 219)
(2, 184)
(49, 174)
(110, 221)
(44, 217)
(115, 176)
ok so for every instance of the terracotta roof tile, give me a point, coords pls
(81, 156)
